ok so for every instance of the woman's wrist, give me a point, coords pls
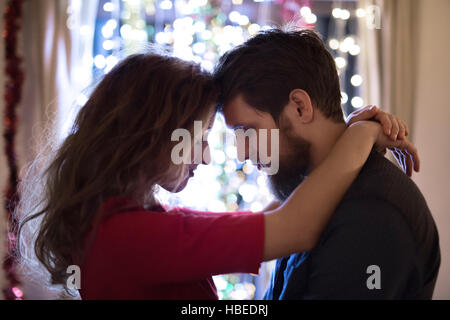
(369, 129)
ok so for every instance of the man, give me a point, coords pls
(382, 242)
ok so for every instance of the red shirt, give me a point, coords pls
(142, 254)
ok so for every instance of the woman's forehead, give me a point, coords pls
(212, 118)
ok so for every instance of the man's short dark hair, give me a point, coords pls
(267, 67)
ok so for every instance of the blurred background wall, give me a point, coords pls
(432, 123)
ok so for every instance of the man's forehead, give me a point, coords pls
(233, 116)
(237, 111)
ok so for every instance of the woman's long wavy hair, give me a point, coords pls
(119, 145)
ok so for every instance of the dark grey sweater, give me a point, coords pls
(381, 243)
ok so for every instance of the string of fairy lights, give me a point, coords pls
(344, 45)
(201, 31)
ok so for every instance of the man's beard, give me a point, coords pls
(293, 168)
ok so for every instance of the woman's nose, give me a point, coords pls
(206, 159)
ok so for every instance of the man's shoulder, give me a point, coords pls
(380, 178)
(380, 181)
(385, 204)
(385, 201)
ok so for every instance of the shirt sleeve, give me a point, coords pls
(184, 246)
(368, 253)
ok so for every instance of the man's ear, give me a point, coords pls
(299, 99)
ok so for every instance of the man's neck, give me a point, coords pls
(325, 136)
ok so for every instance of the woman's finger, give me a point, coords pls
(402, 131)
(412, 150)
(395, 128)
(385, 121)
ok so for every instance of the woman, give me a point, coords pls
(98, 208)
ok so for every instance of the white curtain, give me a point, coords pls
(388, 35)
(57, 43)
(55, 66)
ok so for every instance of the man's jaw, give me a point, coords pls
(294, 165)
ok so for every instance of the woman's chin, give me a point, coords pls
(174, 188)
(182, 185)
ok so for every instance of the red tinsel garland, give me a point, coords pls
(13, 91)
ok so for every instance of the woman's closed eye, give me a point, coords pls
(236, 128)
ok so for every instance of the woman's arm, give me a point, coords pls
(296, 225)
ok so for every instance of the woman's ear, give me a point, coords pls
(302, 102)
